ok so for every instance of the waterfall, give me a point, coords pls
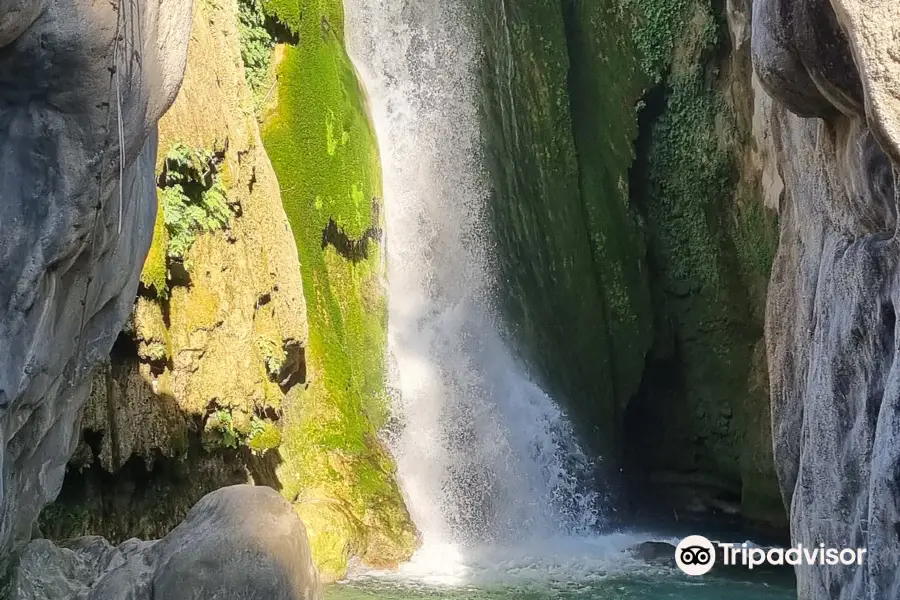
(482, 452)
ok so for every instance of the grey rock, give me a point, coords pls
(831, 316)
(237, 543)
(76, 215)
(660, 553)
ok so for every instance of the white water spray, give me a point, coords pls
(484, 455)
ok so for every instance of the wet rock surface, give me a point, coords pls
(831, 318)
(238, 542)
(661, 553)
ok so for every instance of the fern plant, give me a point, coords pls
(256, 42)
(193, 198)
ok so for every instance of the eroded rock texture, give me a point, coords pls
(79, 81)
(238, 542)
(834, 71)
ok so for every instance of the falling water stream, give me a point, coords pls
(493, 479)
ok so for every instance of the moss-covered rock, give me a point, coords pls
(325, 153)
(703, 405)
(155, 272)
(568, 244)
(629, 229)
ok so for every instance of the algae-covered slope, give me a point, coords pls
(567, 242)
(636, 256)
(325, 154)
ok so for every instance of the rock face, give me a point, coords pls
(834, 71)
(209, 386)
(236, 543)
(227, 332)
(82, 86)
(634, 246)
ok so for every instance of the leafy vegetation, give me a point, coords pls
(656, 27)
(264, 436)
(193, 198)
(236, 429)
(257, 44)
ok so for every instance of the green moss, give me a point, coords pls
(269, 343)
(325, 155)
(709, 247)
(264, 436)
(334, 534)
(155, 272)
(656, 26)
(690, 177)
(602, 58)
(755, 234)
(193, 309)
(290, 12)
(560, 87)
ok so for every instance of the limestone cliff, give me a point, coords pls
(833, 69)
(208, 384)
(217, 336)
(82, 86)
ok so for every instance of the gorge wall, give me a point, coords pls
(637, 166)
(834, 71)
(629, 218)
(83, 87)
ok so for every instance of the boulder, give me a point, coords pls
(238, 542)
(660, 553)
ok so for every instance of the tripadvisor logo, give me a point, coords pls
(696, 555)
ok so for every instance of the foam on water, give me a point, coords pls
(566, 560)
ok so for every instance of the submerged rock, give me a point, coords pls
(238, 542)
(654, 552)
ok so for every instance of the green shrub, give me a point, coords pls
(256, 42)
(261, 436)
(193, 198)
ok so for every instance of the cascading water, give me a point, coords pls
(483, 453)
(493, 477)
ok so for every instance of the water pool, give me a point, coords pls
(589, 568)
